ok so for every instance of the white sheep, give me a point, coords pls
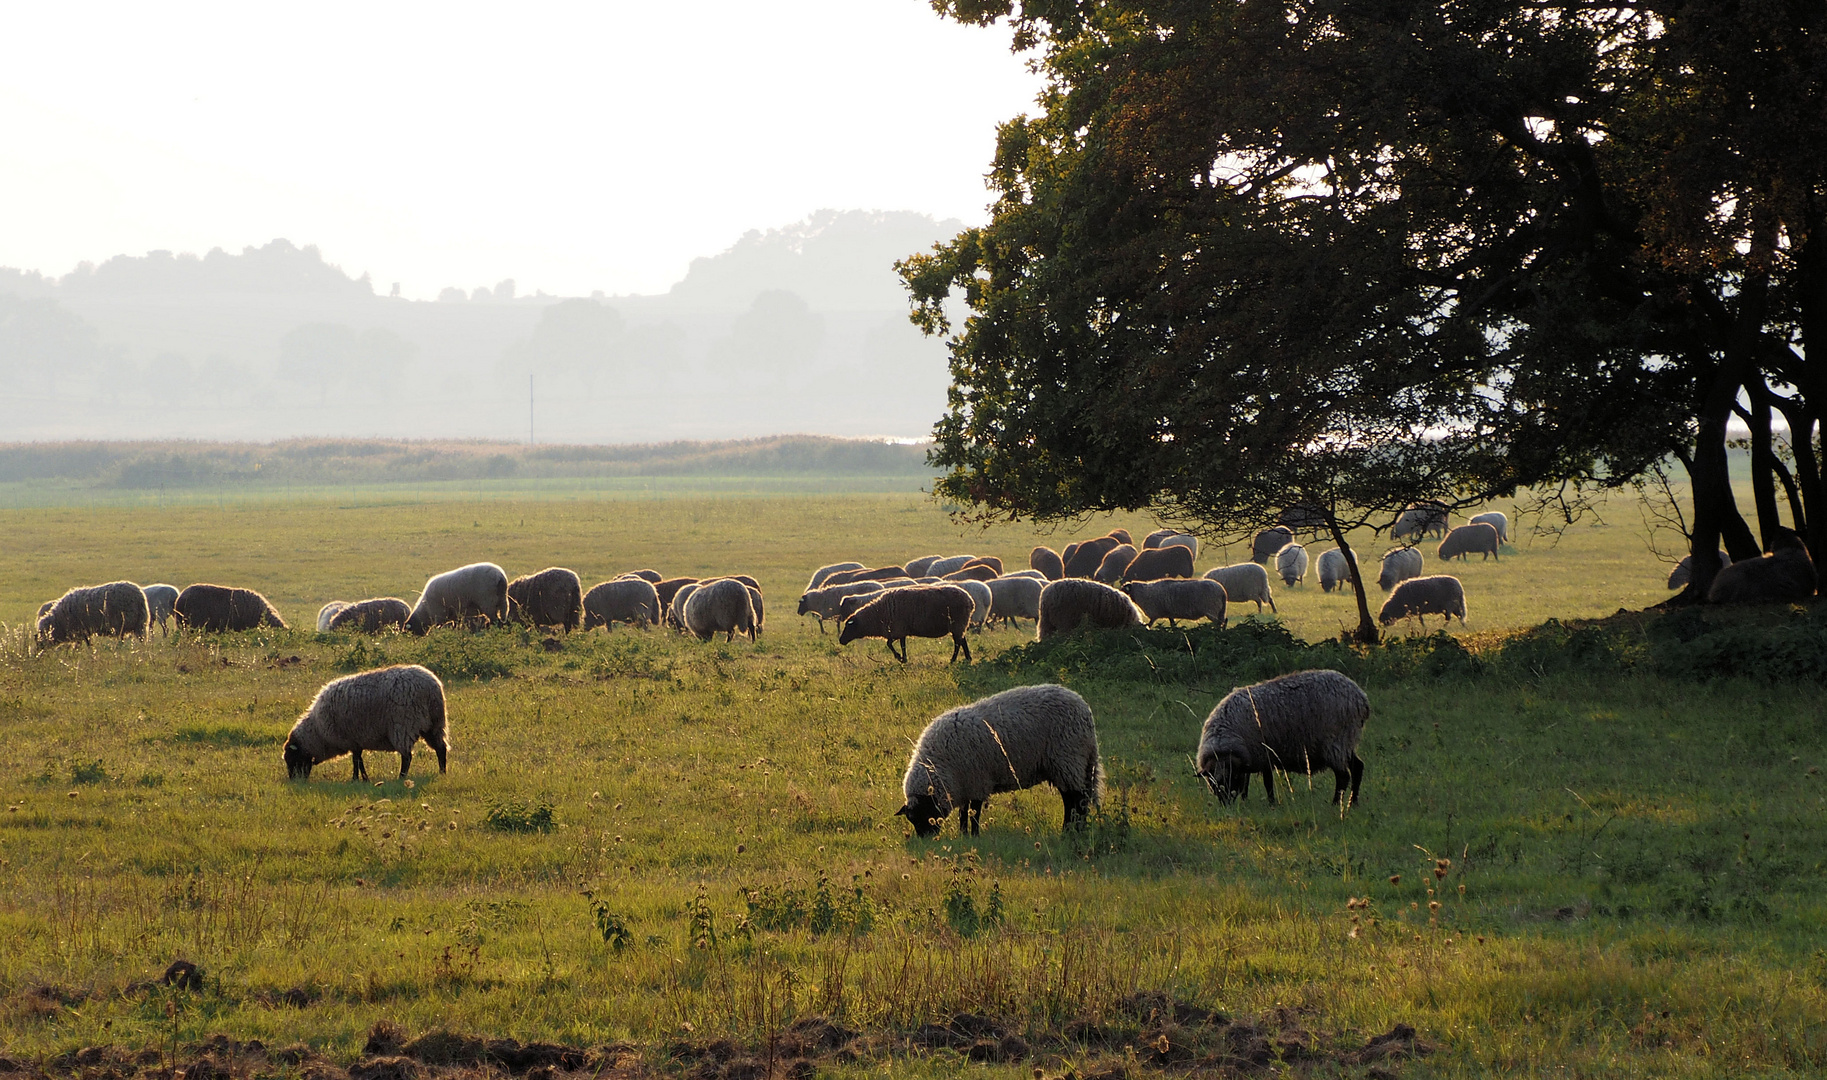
(919, 567)
(1441, 594)
(390, 708)
(160, 599)
(1035, 574)
(1244, 582)
(1399, 564)
(1016, 596)
(1068, 602)
(725, 606)
(328, 612)
(982, 599)
(629, 599)
(1291, 563)
(1179, 598)
(1421, 519)
(675, 612)
(823, 603)
(1496, 520)
(1296, 723)
(1005, 742)
(479, 590)
(940, 567)
(823, 572)
(1332, 572)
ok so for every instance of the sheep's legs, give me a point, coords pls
(1357, 777)
(902, 655)
(958, 642)
(968, 817)
(438, 744)
(1078, 807)
(1268, 785)
(405, 761)
(360, 771)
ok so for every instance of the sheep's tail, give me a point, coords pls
(439, 722)
(1094, 773)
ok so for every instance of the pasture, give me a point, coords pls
(1571, 850)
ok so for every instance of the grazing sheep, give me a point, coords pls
(761, 615)
(114, 610)
(1461, 542)
(675, 612)
(951, 564)
(390, 708)
(1116, 561)
(1332, 571)
(651, 577)
(844, 577)
(552, 597)
(1428, 518)
(1066, 603)
(1297, 723)
(670, 588)
(1015, 597)
(328, 612)
(628, 599)
(1683, 572)
(823, 572)
(725, 605)
(990, 561)
(928, 611)
(977, 571)
(1169, 561)
(1122, 536)
(1153, 539)
(1266, 543)
(1291, 564)
(981, 600)
(1420, 597)
(823, 603)
(1178, 598)
(1786, 574)
(373, 616)
(1088, 556)
(159, 599)
(1399, 564)
(220, 608)
(1065, 556)
(1035, 574)
(1006, 742)
(1047, 562)
(479, 590)
(920, 566)
(1496, 520)
(1185, 540)
(1243, 582)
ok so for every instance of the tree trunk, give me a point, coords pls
(1763, 459)
(1368, 631)
(1811, 264)
(1716, 514)
(1809, 513)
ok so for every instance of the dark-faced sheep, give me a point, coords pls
(218, 609)
(1169, 561)
(116, 609)
(1291, 564)
(723, 606)
(159, 601)
(823, 603)
(1048, 562)
(1244, 582)
(373, 616)
(1116, 560)
(1461, 542)
(823, 572)
(552, 597)
(1266, 543)
(391, 708)
(476, 591)
(1417, 598)
(1005, 742)
(1297, 723)
(1399, 564)
(1332, 570)
(928, 611)
(1683, 572)
(1786, 574)
(1088, 556)
(631, 600)
(1174, 599)
(1070, 602)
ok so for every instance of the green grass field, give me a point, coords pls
(647, 839)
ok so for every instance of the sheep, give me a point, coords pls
(477, 590)
(1683, 572)
(1461, 542)
(1421, 519)
(917, 611)
(1066, 603)
(219, 608)
(1332, 571)
(1784, 574)
(389, 708)
(1266, 543)
(1177, 598)
(1399, 564)
(1034, 574)
(1122, 536)
(823, 572)
(1048, 562)
(373, 616)
(976, 571)
(1171, 561)
(1014, 598)
(844, 577)
(552, 597)
(1297, 723)
(990, 561)
(670, 587)
(1065, 556)
(116, 609)
(1291, 564)
(918, 567)
(1185, 540)
(651, 577)
(1496, 520)
(328, 612)
(1153, 539)
(981, 598)
(761, 617)
(1116, 561)
(675, 612)
(159, 599)
(1088, 556)
(630, 600)
(1420, 597)
(951, 564)
(1005, 742)
(725, 604)
(1243, 582)
(823, 603)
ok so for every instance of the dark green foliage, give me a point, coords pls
(612, 925)
(521, 816)
(822, 911)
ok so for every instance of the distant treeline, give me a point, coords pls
(143, 466)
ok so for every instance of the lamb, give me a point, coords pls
(1006, 742)
(1421, 519)
(373, 616)
(1496, 520)
(328, 612)
(823, 572)
(1175, 598)
(389, 708)
(1066, 603)
(977, 571)
(630, 600)
(1785, 574)
(1243, 582)
(1116, 561)
(651, 577)
(1683, 572)
(1399, 564)
(844, 577)
(116, 609)
(1461, 542)
(220, 608)
(918, 567)
(159, 599)
(1047, 561)
(1088, 556)
(552, 597)
(1332, 571)
(675, 612)
(1014, 598)
(478, 590)
(1420, 597)
(1301, 722)
(724, 605)
(670, 588)
(917, 611)
(1153, 564)
(1266, 543)
(1291, 564)
(951, 564)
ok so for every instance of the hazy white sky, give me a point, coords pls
(570, 146)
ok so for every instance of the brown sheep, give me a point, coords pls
(917, 611)
(373, 616)
(1786, 574)
(552, 597)
(1088, 556)
(220, 608)
(1160, 562)
(1048, 562)
(882, 573)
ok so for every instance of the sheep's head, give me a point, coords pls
(805, 604)
(925, 814)
(852, 630)
(298, 760)
(1226, 775)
